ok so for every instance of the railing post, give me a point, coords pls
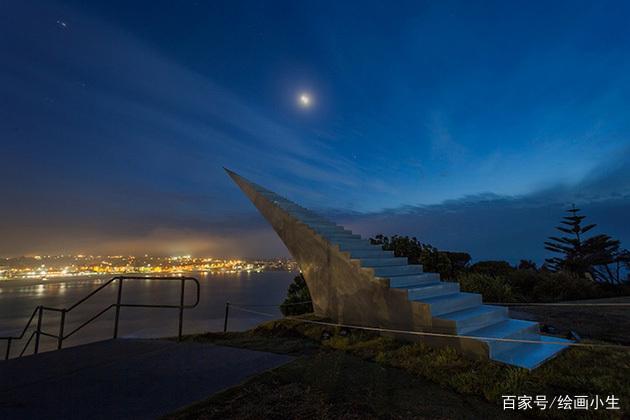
(39, 328)
(8, 353)
(181, 310)
(227, 313)
(118, 299)
(61, 327)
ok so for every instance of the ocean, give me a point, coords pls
(18, 298)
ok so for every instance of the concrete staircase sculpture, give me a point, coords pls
(352, 281)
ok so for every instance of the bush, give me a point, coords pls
(492, 268)
(523, 282)
(297, 292)
(447, 264)
(493, 289)
(536, 286)
(551, 287)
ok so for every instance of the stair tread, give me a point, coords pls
(384, 257)
(425, 291)
(377, 254)
(354, 246)
(529, 355)
(503, 329)
(437, 283)
(413, 280)
(471, 312)
(394, 270)
(459, 295)
(417, 285)
(451, 302)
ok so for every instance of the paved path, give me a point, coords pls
(123, 378)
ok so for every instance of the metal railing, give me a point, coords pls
(61, 336)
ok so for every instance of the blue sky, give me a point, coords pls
(469, 124)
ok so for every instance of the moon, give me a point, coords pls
(305, 100)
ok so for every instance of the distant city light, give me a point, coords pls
(82, 265)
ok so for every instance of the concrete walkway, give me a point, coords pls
(123, 378)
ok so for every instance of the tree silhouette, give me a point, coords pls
(527, 265)
(582, 256)
(298, 300)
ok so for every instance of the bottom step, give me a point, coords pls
(530, 356)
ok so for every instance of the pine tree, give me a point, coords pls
(579, 255)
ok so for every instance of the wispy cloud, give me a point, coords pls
(492, 226)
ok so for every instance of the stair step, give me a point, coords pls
(432, 290)
(349, 246)
(509, 328)
(329, 229)
(303, 213)
(376, 253)
(326, 226)
(356, 245)
(383, 262)
(283, 202)
(339, 235)
(335, 237)
(300, 213)
(414, 280)
(306, 217)
(477, 317)
(297, 210)
(267, 193)
(356, 241)
(310, 221)
(530, 356)
(288, 204)
(400, 270)
(452, 303)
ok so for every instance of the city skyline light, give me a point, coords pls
(65, 266)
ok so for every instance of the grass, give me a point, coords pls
(356, 374)
(334, 384)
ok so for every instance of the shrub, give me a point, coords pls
(527, 265)
(492, 268)
(297, 292)
(523, 282)
(551, 287)
(448, 264)
(493, 289)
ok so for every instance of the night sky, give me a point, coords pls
(470, 124)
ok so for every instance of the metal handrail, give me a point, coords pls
(39, 311)
(19, 337)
